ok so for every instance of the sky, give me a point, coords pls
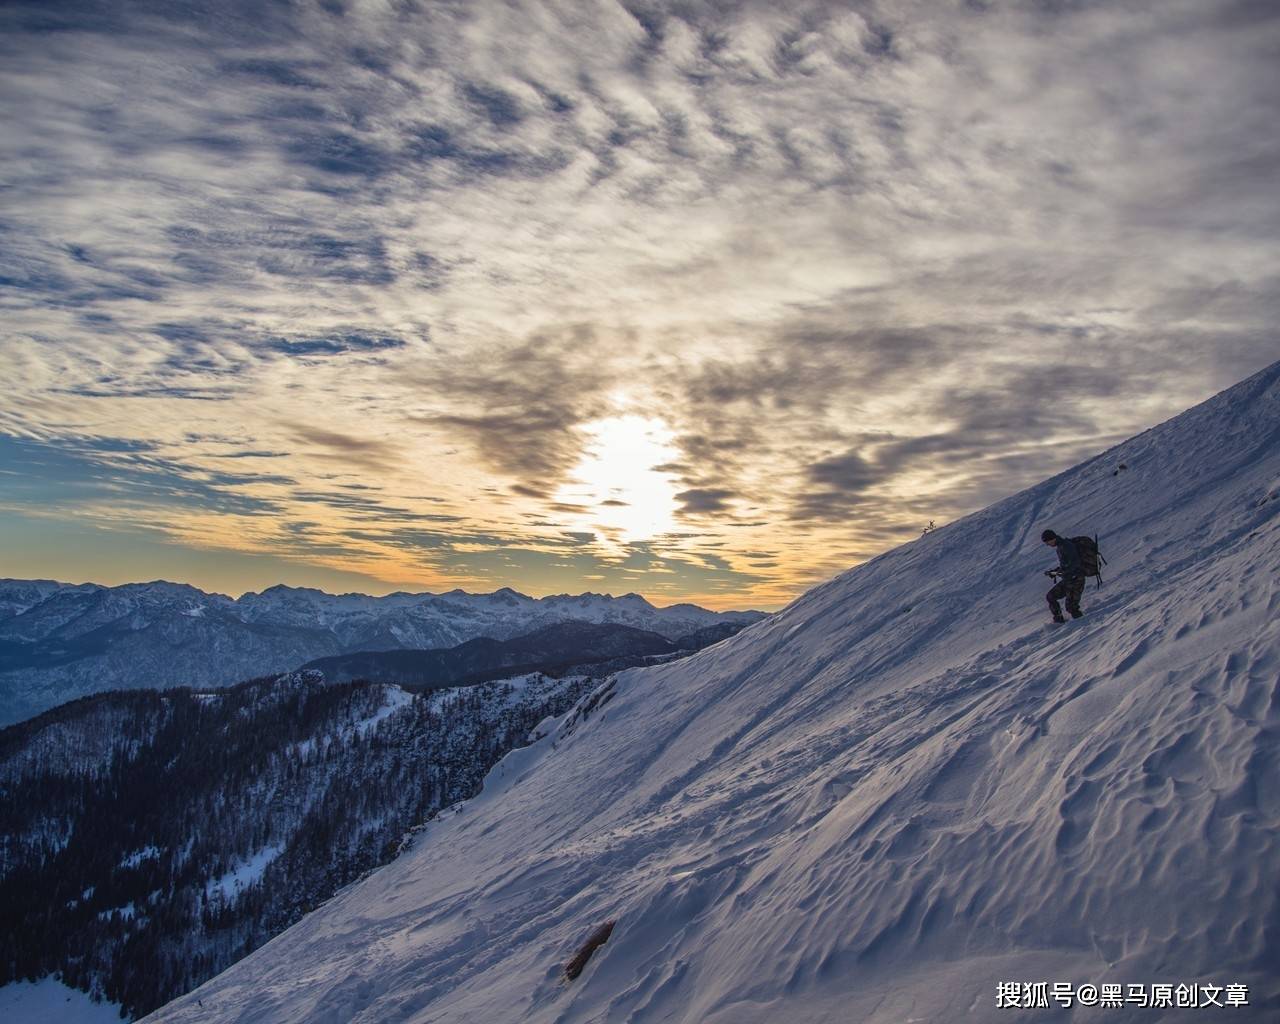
(702, 300)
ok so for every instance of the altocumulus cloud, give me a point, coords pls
(870, 264)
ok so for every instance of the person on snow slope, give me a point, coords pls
(1070, 573)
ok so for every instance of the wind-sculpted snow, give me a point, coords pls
(886, 800)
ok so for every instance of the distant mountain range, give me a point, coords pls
(60, 641)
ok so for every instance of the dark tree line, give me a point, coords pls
(120, 813)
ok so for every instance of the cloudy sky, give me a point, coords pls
(705, 300)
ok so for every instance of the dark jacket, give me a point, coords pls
(1069, 559)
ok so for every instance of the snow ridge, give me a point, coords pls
(879, 804)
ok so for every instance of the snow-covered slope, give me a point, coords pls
(883, 802)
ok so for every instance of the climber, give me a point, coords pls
(1069, 576)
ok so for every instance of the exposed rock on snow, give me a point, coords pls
(595, 940)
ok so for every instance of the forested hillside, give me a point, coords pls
(150, 839)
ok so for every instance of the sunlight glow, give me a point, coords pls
(625, 497)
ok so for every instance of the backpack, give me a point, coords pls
(1091, 560)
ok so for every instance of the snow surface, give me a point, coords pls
(396, 698)
(243, 875)
(875, 806)
(48, 1001)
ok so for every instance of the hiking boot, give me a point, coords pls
(1077, 614)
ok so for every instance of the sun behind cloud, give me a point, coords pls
(709, 301)
(624, 494)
